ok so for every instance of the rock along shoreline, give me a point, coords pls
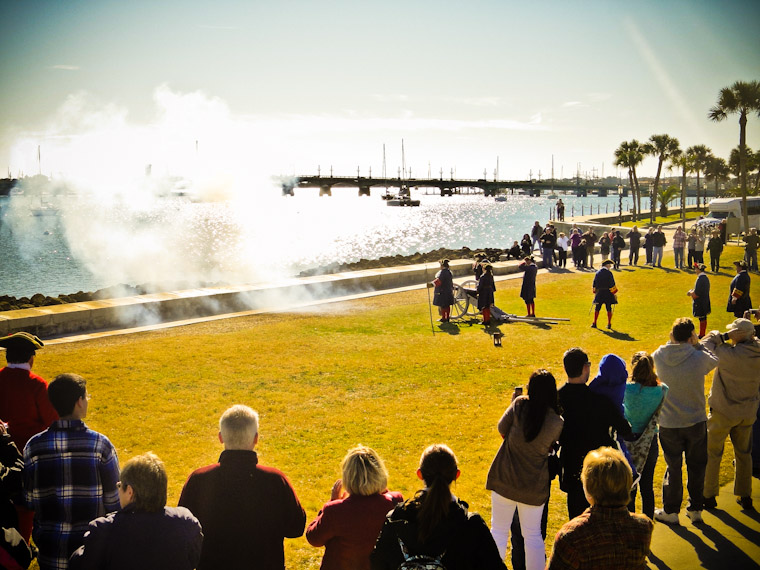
(9, 303)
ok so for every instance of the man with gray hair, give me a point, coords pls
(246, 509)
(733, 400)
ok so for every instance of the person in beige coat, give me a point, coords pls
(733, 402)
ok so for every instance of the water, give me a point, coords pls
(94, 244)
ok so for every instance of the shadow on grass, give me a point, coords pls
(449, 328)
(618, 335)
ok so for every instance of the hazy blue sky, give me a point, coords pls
(285, 86)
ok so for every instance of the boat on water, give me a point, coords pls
(500, 199)
(401, 201)
(404, 196)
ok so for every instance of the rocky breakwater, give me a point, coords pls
(8, 303)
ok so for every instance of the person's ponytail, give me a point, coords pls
(438, 466)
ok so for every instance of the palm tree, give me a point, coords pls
(699, 154)
(686, 162)
(752, 162)
(663, 147)
(718, 171)
(666, 196)
(629, 155)
(743, 97)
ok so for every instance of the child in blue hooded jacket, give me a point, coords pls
(610, 382)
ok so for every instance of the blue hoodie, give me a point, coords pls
(611, 379)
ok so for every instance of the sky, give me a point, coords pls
(248, 89)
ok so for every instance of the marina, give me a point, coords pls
(95, 243)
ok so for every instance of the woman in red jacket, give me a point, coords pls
(348, 525)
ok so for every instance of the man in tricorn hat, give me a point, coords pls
(24, 404)
(604, 292)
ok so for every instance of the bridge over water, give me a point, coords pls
(446, 187)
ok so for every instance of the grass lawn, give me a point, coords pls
(675, 216)
(368, 371)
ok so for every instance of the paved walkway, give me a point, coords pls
(728, 539)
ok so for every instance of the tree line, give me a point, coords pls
(742, 98)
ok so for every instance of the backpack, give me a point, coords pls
(420, 561)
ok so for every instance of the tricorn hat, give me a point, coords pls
(21, 340)
(607, 262)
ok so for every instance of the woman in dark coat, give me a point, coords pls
(604, 292)
(486, 288)
(528, 290)
(526, 245)
(701, 297)
(443, 296)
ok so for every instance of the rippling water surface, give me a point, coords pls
(91, 244)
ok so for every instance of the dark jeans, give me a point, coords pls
(562, 258)
(676, 442)
(646, 483)
(648, 251)
(715, 262)
(576, 500)
(518, 544)
(633, 256)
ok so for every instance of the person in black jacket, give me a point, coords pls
(605, 292)
(591, 421)
(701, 297)
(435, 525)
(634, 241)
(145, 533)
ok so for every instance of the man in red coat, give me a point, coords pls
(245, 509)
(24, 404)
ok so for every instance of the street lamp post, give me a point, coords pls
(620, 204)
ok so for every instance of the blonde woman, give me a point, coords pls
(348, 525)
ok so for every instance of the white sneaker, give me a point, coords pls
(695, 516)
(669, 518)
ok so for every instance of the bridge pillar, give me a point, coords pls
(287, 190)
(602, 192)
(363, 190)
(325, 191)
(446, 191)
(581, 192)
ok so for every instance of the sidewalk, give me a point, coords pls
(728, 539)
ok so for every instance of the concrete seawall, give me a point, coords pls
(140, 310)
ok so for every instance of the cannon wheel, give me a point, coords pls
(463, 305)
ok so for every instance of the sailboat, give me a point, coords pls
(404, 197)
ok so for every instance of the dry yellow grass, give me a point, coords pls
(368, 371)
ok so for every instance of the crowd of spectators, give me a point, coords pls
(600, 438)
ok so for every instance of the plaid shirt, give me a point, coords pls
(70, 476)
(603, 537)
(679, 240)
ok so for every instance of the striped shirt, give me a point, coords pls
(70, 476)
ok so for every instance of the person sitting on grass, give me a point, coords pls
(348, 525)
(145, 533)
(606, 535)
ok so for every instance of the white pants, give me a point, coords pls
(502, 513)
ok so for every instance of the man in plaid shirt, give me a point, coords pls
(679, 241)
(70, 475)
